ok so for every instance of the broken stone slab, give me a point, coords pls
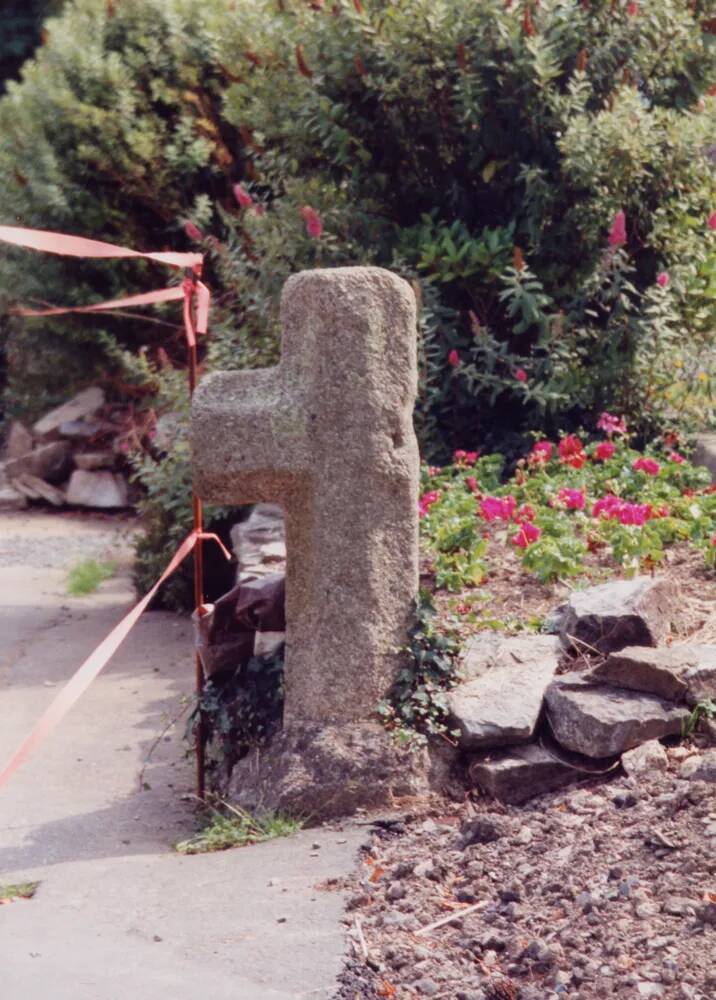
(91, 460)
(520, 773)
(10, 498)
(501, 704)
(80, 429)
(700, 767)
(35, 488)
(84, 404)
(96, 489)
(260, 542)
(674, 672)
(645, 759)
(600, 721)
(18, 441)
(50, 462)
(705, 453)
(622, 613)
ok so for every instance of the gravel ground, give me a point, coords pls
(604, 889)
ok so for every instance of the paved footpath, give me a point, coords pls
(118, 914)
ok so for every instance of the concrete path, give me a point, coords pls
(118, 915)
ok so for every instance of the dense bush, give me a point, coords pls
(541, 172)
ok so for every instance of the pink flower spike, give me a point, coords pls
(526, 536)
(521, 375)
(453, 359)
(459, 456)
(674, 456)
(662, 279)
(242, 196)
(632, 8)
(192, 231)
(647, 465)
(712, 220)
(471, 457)
(617, 234)
(314, 226)
(611, 424)
(471, 484)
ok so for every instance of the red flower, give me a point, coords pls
(192, 231)
(314, 226)
(541, 453)
(259, 208)
(571, 451)
(471, 457)
(712, 220)
(242, 196)
(605, 450)
(521, 375)
(527, 534)
(647, 465)
(472, 484)
(525, 513)
(617, 234)
(662, 279)
(632, 9)
(459, 456)
(572, 499)
(453, 358)
(498, 508)
(674, 456)
(427, 500)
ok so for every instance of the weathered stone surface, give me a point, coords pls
(79, 429)
(84, 404)
(520, 773)
(18, 441)
(90, 460)
(502, 703)
(37, 489)
(50, 462)
(700, 767)
(600, 721)
(319, 772)
(96, 489)
(644, 759)
(705, 453)
(622, 613)
(328, 434)
(674, 672)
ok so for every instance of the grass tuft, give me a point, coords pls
(19, 890)
(85, 577)
(235, 827)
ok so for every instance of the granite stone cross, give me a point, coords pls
(328, 434)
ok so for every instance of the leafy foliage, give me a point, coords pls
(417, 706)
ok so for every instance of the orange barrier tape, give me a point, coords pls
(145, 299)
(78, 246)
(96, 661)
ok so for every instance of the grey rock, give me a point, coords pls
(426, 987)
(678, 906)
(700, 767)
(259, 542)
(501, 703)
(10, 498)
(35, 488)
(520, 773)
(707, 913)
(84, 404)
(96, 489)
(674, 672)
(79, 429)
(647, 989)
(18, 440)
(90, 460)
(600, 722)
(622, 613)
(648, 757)
(483, 830)
(50, 462)
(705, 453)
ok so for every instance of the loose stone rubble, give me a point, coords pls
(67, 458)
